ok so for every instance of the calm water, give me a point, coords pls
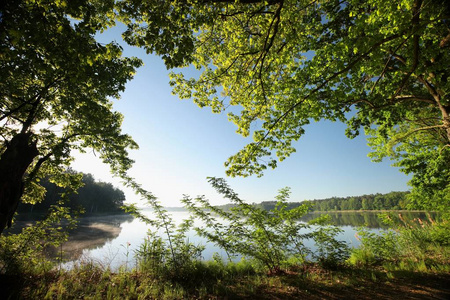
(111, 241)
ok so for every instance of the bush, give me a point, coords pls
(411, 245)
(25, 252)
(331, 253)
(273, 238)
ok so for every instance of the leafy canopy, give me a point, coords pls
(56, 89)
(377, 65)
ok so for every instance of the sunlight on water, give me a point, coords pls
(119, 250)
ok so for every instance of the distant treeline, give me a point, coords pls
(370, 219)
(389, 201)
(94, 197)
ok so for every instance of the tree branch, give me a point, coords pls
(46, 157)
(321, 85)
(14, 110)
(33, 101)
(336, 74)
(271, 2)
(415, 24)
(416, 130)
(415, 98)
(387, 63)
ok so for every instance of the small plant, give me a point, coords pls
(127, 254)
(330, 252)
(416, 244)
(173, 257)
(272, 238)
(25, 252)
(375, 247)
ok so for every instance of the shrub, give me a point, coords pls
(410, 245)
(272, 237)
(25, 252)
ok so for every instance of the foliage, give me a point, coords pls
(421, 244)
(93, 196)
(155, 257)
(272, 238)
(277, 65)
(232, 281)
(166, 252)
(331, 253)
(389, 201)
(24, 253)
(56, 89)
(375, 248)
(90, 281)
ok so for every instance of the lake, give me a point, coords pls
(111, 241)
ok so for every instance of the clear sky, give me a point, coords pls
(181, 145)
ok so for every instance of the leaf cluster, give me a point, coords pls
(57, 84)
(276, 66)
(25, 252)
(272, 238)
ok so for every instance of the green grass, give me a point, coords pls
(232, 281)
(412, 262)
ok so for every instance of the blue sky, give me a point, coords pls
(181, 145)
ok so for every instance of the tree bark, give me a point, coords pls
(14, 162)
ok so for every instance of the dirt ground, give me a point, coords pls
(416, 287)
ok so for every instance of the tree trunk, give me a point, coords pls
(14, 162)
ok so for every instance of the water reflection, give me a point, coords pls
(113, 240)
(366, 218)
(119, 251)
(91, 233)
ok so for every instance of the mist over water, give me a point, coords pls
(112, 240)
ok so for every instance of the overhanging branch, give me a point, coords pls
(323, 84)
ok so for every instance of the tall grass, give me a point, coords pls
(413, 245)
(270, 243)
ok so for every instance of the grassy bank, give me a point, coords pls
(413, 263)
(211, 280)
(409, 261)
